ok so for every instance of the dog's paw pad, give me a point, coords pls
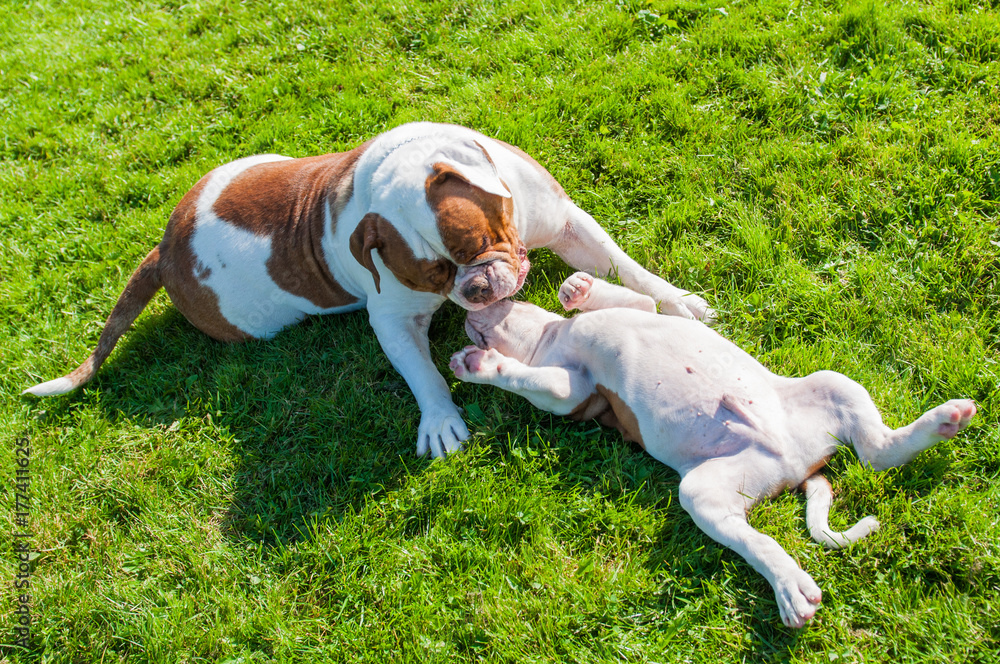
(575, 290)
(798, 599)
(476, 366)
(954, 416)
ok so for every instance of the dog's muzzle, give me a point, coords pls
(489, 282)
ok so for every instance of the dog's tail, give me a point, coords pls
(819, 498)
(138, 292)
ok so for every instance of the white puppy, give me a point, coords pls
(734, 431)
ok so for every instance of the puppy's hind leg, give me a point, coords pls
(883, 448)
(586, 246)
(715, 496)
(827, 406)
(819, 498)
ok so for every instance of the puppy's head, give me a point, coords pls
(473, 210)
(455, 236)
(513, 328)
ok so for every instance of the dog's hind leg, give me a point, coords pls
(717, 497)
(819, 498)
(881, 447)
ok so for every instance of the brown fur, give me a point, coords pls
(474, 225)
(625, 419)
(420, 274)
(287, 201)
(608, 408)
(813, 470)
(590, 408)
(198, 303)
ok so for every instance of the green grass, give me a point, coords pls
(827, 174)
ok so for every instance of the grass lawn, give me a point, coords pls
(827, 174)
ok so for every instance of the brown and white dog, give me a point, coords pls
(420, 214)
(734, 431)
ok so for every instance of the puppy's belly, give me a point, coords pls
(692, 416)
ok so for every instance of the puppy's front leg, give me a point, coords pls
(553, 389)
(404, 340)
(587, 293)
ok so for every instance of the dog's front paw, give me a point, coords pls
(798, 597)
(699, 308)
(686, 305)
(575, 290)
(474, 365)
(441, 433)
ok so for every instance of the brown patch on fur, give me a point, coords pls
(607, 408)
(815, 468)
(626, 419)
(421, 274)
(179, 274)
(590, 408)
(473, 224)
(287, 201)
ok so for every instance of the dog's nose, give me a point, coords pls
(478, 290)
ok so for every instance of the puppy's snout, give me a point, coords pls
(478, 290)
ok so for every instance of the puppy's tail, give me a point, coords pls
(819, 498)
(138, 292)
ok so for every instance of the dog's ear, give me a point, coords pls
(471, 163)
(420, 274)
(364, 239)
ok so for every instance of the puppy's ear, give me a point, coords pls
(364, 239)
(471, 163)
(419, 274)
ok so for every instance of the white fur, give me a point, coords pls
(734, 431)
(51, 388)
(233, 263)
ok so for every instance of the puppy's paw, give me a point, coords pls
(953, 416)
(474, 365)
(575, 290)
(798, 597)
(441, 433)
(699, 308)
(687, 305)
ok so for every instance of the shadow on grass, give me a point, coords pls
(315, 421)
